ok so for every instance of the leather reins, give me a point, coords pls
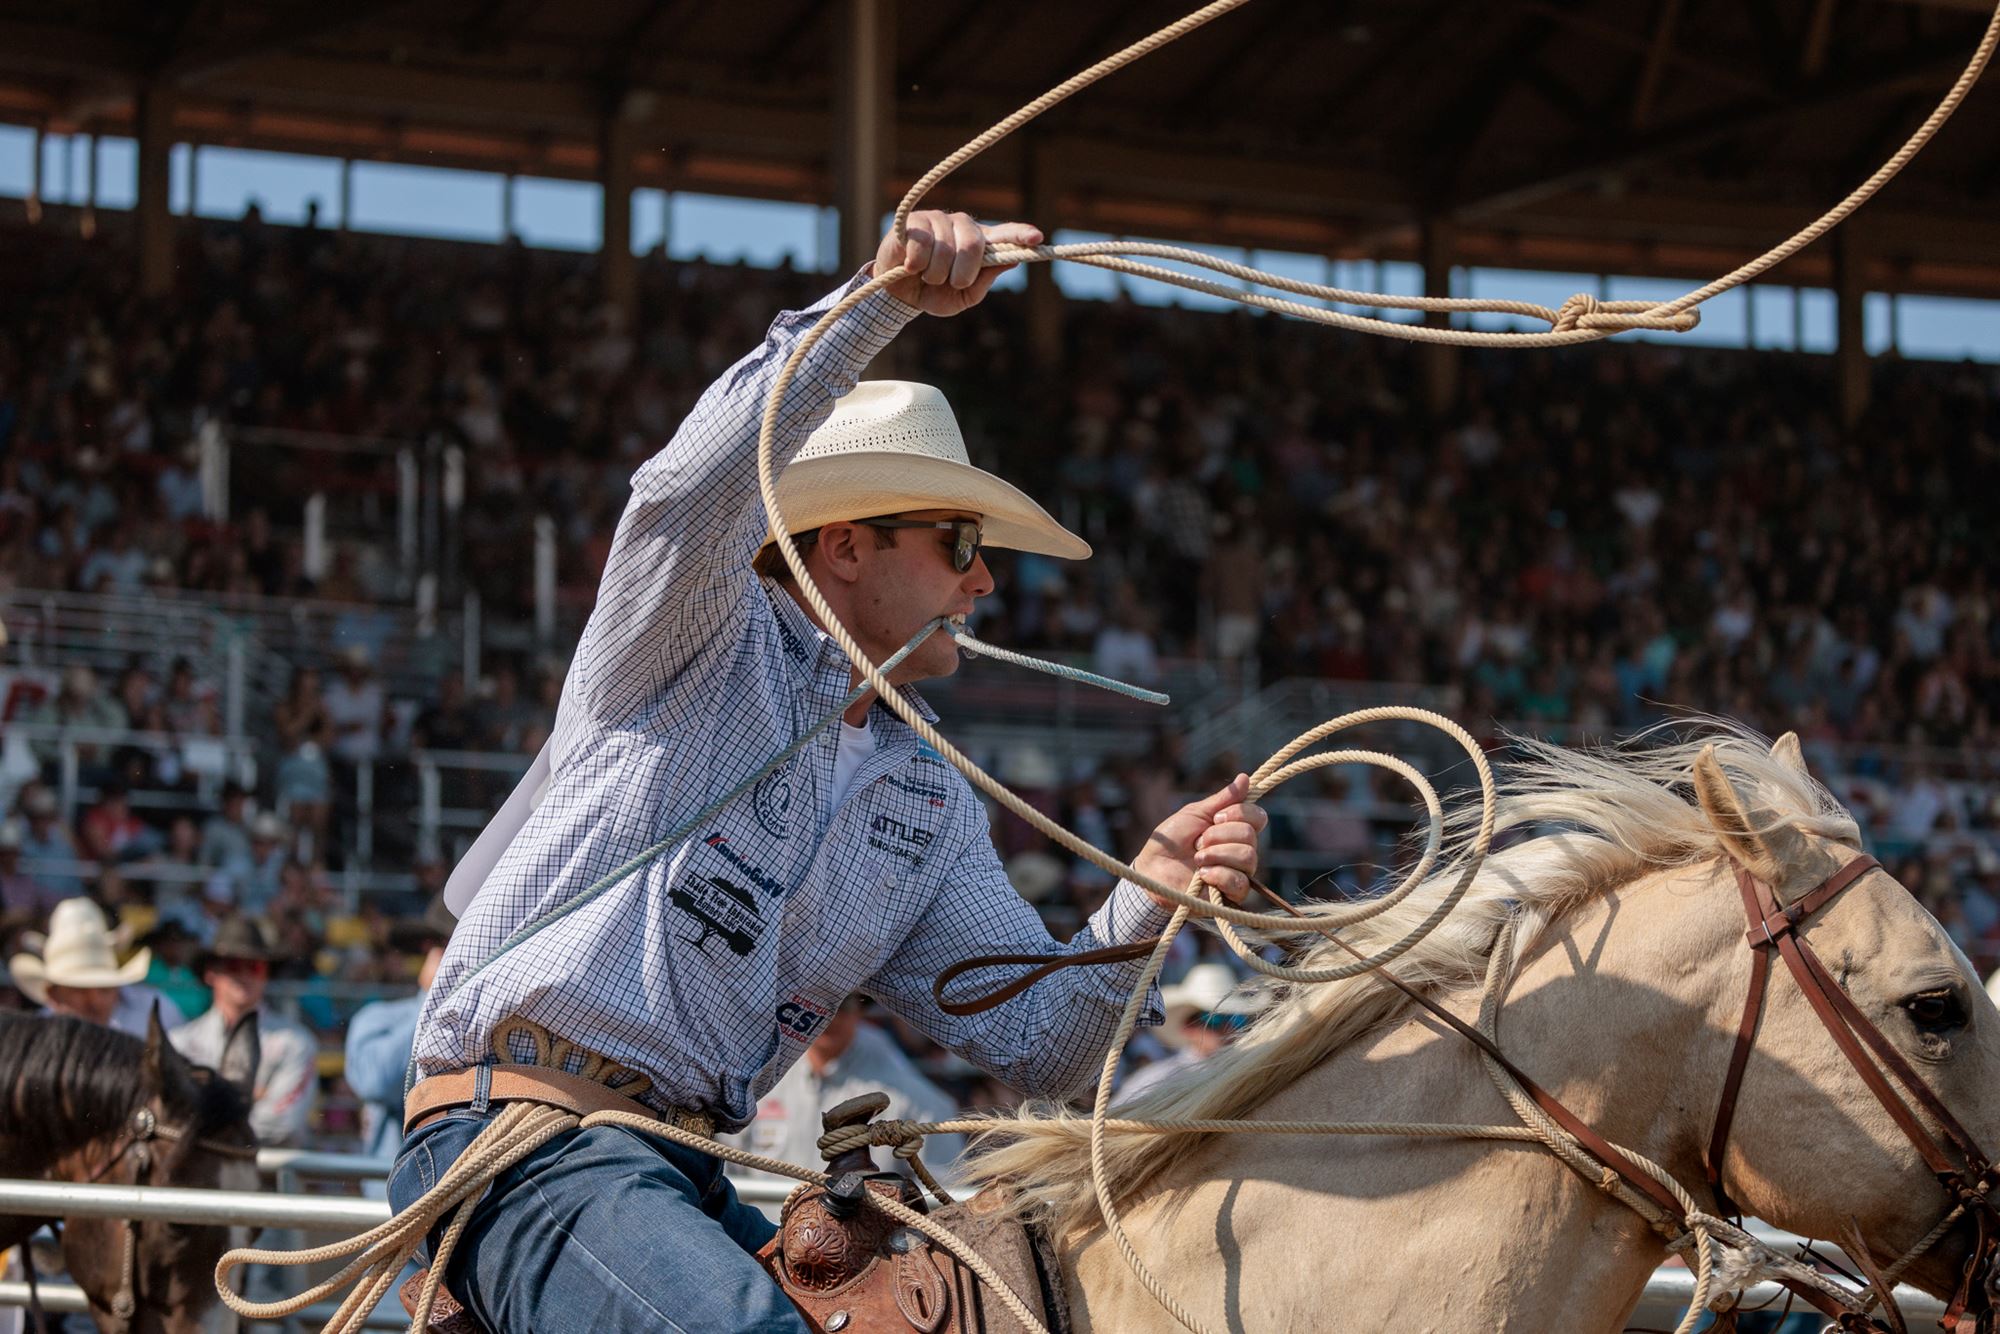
(1774, 928)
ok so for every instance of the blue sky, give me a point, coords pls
(466, 205)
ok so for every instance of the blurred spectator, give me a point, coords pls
(47, 839)
(225, 836)
(1205, 1009)
(171, 972)
(356, 708)
(262, 877)
(112, 833)
(76, 703)
(20, 892)
(237, 970)
(850, 1056)
(380, 1038)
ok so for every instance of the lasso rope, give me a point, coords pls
(378, 1255)
(1581, 319)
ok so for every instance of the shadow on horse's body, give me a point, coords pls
(79, 1102)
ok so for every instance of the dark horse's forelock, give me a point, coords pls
(88, 1076)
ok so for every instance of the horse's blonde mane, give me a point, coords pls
(1586, 821)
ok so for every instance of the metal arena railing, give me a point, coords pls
(1666, 1296)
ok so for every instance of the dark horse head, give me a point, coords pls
(83, 1103)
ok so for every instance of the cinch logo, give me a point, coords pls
(799, 1019)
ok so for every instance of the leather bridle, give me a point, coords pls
(1961, 1166)
(137, 1146)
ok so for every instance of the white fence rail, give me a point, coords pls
(1667, 1291)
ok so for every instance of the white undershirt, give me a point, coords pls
(856, 745)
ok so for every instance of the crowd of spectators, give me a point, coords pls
(1589, 541)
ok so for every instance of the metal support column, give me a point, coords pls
(1038, 206)
(1850, 348)
(1435, 244)
(155, 117)
(620, 276)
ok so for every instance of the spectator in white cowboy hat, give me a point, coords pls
(1205, 1009)
(236, 968)
(864, 864)
(77, 972)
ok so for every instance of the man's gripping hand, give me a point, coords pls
(1216, 836)
(943, 253)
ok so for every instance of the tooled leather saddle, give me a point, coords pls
(851, 1269)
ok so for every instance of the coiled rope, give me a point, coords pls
(378, 1255)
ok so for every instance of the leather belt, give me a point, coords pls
(438, 1094)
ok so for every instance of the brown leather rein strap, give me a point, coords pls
(1047, 965)
(1595, 1144)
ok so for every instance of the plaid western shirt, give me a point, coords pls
(711, 969)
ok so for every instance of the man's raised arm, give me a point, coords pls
(680, 562)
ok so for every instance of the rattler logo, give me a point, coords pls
(727, 912)
(888, 834)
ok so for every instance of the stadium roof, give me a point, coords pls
(1670, 137)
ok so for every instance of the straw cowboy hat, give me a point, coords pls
(79, 951)
(892, 446)
(1208, 988)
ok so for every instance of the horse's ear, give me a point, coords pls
(241, 1051)
(1785, 750)
(162, 1065)
(1757, 839)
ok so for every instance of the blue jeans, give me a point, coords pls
(603, 1229)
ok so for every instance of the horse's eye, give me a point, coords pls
(1933, 1010)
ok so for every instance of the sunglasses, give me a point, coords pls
(965, 536)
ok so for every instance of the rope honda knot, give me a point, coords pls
(1573, 311)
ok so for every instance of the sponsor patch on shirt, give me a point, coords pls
(756, 876)
(935, 796)
(799, 1020)
(725, 910)
(886, 833)
(782, 793)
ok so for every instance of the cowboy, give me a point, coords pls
(78, 974)
(864, 864)
(237, 969)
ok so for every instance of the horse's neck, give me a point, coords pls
(1389, 1230)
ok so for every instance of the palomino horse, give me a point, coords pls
(1630, 971)
(83, 1103)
